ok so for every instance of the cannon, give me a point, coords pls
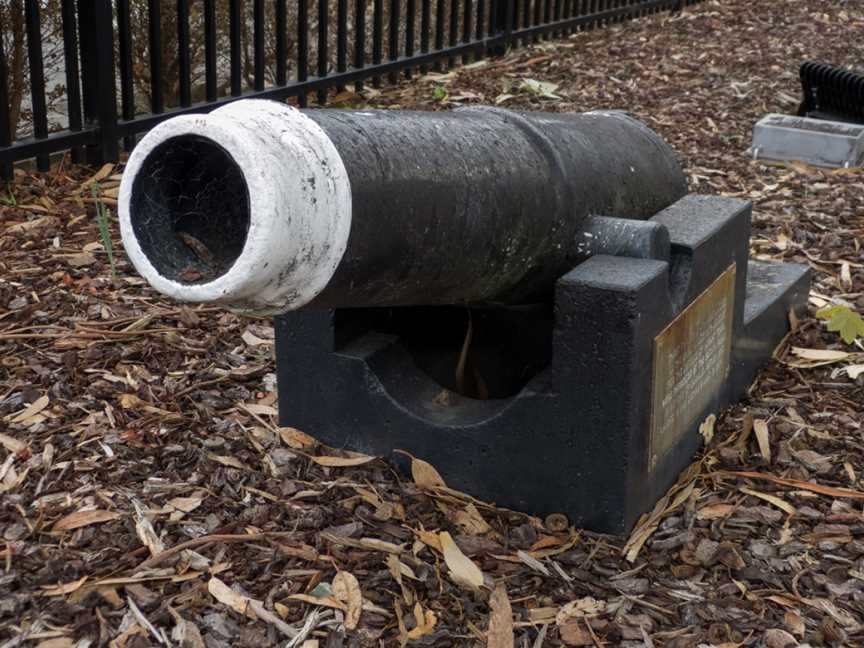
(531, 302)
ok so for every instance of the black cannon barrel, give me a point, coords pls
(269, 209)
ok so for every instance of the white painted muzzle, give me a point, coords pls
(256, 184)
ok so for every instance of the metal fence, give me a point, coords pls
(117, 56)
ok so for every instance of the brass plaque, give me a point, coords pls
(691, 362)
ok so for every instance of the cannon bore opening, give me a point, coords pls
(189, 209)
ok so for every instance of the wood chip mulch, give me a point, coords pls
(148, 498)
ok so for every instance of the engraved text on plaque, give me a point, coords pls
(691, 362)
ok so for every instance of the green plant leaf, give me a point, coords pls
(542, 89)
(843, 320)
(102, 220)
(439, 93)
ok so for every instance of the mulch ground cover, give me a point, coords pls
(147, 496)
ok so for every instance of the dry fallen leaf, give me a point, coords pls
(84, 518)
(649, 522)
(104, 171)
(855, 370)
(226, 596)
(820, 357)
(296, 439)
(470, 520)
(58, 642)
(830, 491)
(772, 499)
(463, 571)
(371, 544)
(147, 534)
(795, 623)
(347, 589)
(430, 539)
(425, 475)
(63, 589)
(30, 411)
(706, 428)
(500, 634)
(185, 504)
(187, 634)
(231, 462)
(587, 606)
(252, 608)
(425, 620)
(342, 462)
(715, 511)
(12, 445)
(760, 429)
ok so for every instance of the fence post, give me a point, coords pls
(96, 25)
(501, 17)
(5, 119)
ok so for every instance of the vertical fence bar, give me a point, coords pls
(235, 36)
(359, 39)
(73, 78)
(157, 98)
(425, 29)
(466, 26)
(127, 85)
(258, 63)
(377, 35)
(440, 8)
(410, 15)
(453, 29)
(481, 19)
(341, 37)
(538, 15)
(500, 22)
(509, 18)
(95, 20)
(211, 81)
(37, 78)
(184, 67)
(425, 24)
(323, 20)
(281, 48)
(393, 37)
(5, 117)
(302, 46)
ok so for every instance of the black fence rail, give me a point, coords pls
(116, 68)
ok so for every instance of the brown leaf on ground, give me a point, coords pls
(500, 632)
(347, 589)
(84, 518)
(462, 570)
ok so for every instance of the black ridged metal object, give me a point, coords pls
(832, 93)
